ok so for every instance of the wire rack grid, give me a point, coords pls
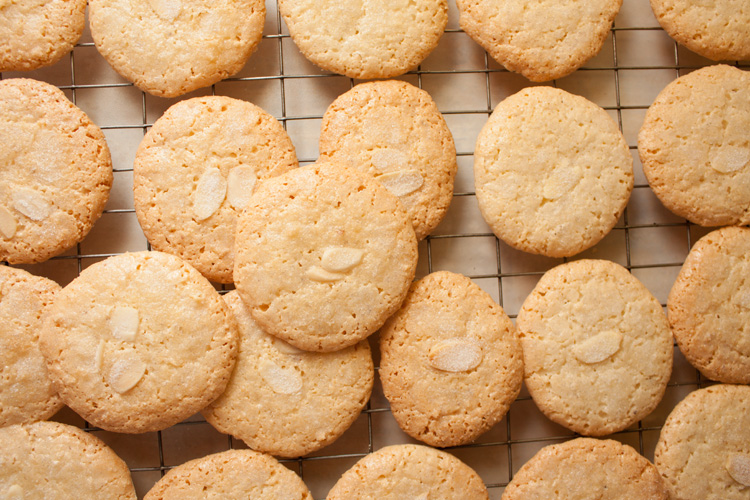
(637, 61)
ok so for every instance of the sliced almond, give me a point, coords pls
(280, 380)
(402, 182)
(341, 259)
(167, 10)
(316, 273)
(285, 347)
(563, 179)
(598, 348)
(455, 355)
(7, 223)
(388, 159)
(14, 492)
(738, 466)
(99, 356)
(123, 323)
(209, 194)
(31, 204)
(240, 185)
(126, 373)
(730, 159)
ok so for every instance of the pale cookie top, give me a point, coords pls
(451, 362)
(170, 47)
(55, 461)
(287, 402)
(586, 468)
(232, 474)
(596, 346)
(324, 254)
(26, 393)
(541, 39)
(709, 306)
(704, 447)
(394, 131)
(695, 148)
(716, 30)
(366, 38)
(195, 171)
(139, 342)
(552, 172)
(56, 172)
(38, 33)
(409, 471)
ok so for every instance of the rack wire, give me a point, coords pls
(637, 61)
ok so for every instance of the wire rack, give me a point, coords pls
(637, 61)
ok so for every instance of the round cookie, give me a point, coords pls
(139, 342)
(55, 461)
(542, 40)
(26, 393)
(695, 149)
(451, 362)
(587, 468)
(194, 173)
(379, 39)
(394, 131)
(230, 474)
(168, 48)
(287, 402)
(56, 171)
(552, 172)
(716, 30)
(704, 447)
(324, 255)
(409, 471)
(37, 34)
(596, 346)
(709, 306)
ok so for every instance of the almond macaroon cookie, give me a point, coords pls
(287, 402)
(596, 346)
(57, 461)
(169, 47)
(230, 474)
(709, 306)
(542, 40)
(451, 362)
(195, 171)
(26, 392)
(139, 342)
(552, 172)
(409, 471)
(394, 131)
(37, 34)
(704, 447)
(324, 255)
(55, 168)
(695, 148)
(587, 468)
(379, 39)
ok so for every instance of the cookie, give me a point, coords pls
(409, 471)
(587, 468)
(541, 40)
(56, 171)
(597, 348)
(324, 255)
(704, 447)
(139, 342)
(451, 362)
(552, 172)
(26, 393)
(373, 40)
(709, 306)
(230, 474)
(694, 146)
(716, 30)
(168, 48)
(194, 173)
(394, 131)
(56, 461)
(37, 34)
(287, 402)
